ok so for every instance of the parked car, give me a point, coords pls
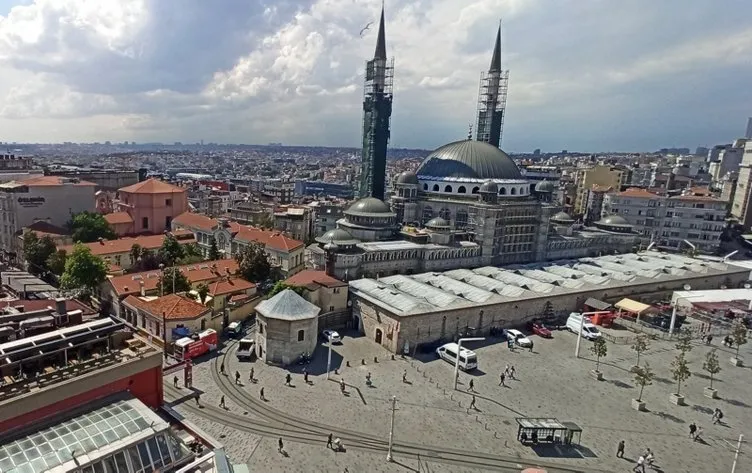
(541, 330)
(331, 336)
(519, 338)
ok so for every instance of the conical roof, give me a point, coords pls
(496, 58)
(381, 40)
(287, 305)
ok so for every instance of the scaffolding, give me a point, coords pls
(492, 103)
(377, 112)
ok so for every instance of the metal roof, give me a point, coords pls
(469, 158)
(287, 305)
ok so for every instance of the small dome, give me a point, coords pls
(614, 221)
(407, 177)
(437, 222)
(369, 206)
(469, 158)
(490, 187)
(562, 217)
(337, 236)
(545, 186)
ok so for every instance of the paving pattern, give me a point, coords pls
(550, 382)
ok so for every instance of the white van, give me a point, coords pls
(246, 349)
(468, 358)
(589, 330)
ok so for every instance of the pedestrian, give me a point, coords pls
(222, 368)
(692, 430)
(709, 339)
(250, 375)
(531, 346)
(329, 441)
(288, 378)
(222, 402)
(510, 344)
(620, 449)
(698, 435)
(198, 399)
(175, 381)
(281, 445)
(237, 377)
(342, 385)
(261, 394)
(305, 376)
(368, 379)
(649, 458)
(472, 403)
(471, 386)
(502, 377)
(640, 467)
(506, 370)
(404, 376)
(717, 416)
(511, 372)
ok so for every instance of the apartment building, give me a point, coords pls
(599, 175)
(741, 208)
(695, 217)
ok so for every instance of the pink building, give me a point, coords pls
(148, 207)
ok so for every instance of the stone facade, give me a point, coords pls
(278, 341)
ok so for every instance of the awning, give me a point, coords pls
(632, 306)
(596, 304)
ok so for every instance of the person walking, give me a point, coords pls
(640, 466)
(281, 445)
(717, 416)
(222, 368)
(342, 385)
(329, 441)
(471, 386)
(198, 399)
(288, 378)
(261, 394)
(692, 430)
(237, 377)
(506, 370)
(531, 346)
(222, 402)
(250, 375)
(305, 376)
(175, 381)
(698, 435)
(511, 372)
(404, 376)
(472, 403)
(620, 449)
(502, 377)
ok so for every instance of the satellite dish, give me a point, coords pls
(687, 287)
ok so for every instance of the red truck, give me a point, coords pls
(188, 348)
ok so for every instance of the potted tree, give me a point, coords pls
(599, 349)
(643, 376)
(680, 372)
(739, 336)
(640, 346)
(713, 367)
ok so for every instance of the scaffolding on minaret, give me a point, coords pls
(492, 99)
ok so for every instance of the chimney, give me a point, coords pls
(101, 240)
(60, 306)
(143, 291)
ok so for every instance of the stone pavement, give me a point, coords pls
(551, 383)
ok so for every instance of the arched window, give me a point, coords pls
(476, 190)
(448, 189)
(425, 187)
(514, 191)
(522, 191)
(462, 190)
(446, 214)
(460, 220)
(503, 191)
(436, 188)
(427, 213)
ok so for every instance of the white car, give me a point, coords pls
(519, 338)
(331, 336)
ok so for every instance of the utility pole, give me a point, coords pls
(391, 430)
(173, 278)
(736, 455)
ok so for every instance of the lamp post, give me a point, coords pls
(391, 430)
(329, 360)
(161, 279)
(579, 333)
(459, 350)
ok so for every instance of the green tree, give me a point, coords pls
(684, 340)
(599, 349)
(643, 376)
(711, 365)
(738, 334)
(214, 253)
(280, 286)
(171, 250)
(171, 278)
(203, 292)
(266, 221)
(83, 270)
(680, 370)
(86, 227)
(135, 253)
(253, 263)
(148, 261)
(36, 251)
(56, 262)
(640, 346)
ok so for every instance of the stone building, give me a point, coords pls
(287, 327)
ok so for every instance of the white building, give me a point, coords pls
(52, 199)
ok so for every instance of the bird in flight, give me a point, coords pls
(366, 28)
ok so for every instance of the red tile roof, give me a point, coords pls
(41, 304)
(697, 198)
(223, 286)
(123, 245)
(270, 238)
(637, 192)
(171, 307)
(118, 217)
(198, 272)
(312, 279)
(151, 186)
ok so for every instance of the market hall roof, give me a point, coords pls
(468, 159)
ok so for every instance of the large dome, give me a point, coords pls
(471, 159)
(369, 206)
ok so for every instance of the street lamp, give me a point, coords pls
(391, 430)
(457, 360)
(329, 360)
(579, 333)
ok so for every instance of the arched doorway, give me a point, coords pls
(378, 336)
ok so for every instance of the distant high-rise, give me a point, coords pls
(748, 135)
(492, 99)
(377, 110)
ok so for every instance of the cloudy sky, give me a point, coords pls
(590, 75)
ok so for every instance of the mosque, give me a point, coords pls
(466, 205)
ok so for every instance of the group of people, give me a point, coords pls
(645, 459)
(508, 372)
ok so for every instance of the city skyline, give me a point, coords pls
(585, 76)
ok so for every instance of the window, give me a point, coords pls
(331, 309)
(168, 202)
(462, 190)
(436, 188)
(448, 189)
(301, 335)
(145, 222)
(261, 329)
(425, 187)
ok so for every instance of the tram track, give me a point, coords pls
(272, 422)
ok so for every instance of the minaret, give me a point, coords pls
(377, 110)
(492, 98)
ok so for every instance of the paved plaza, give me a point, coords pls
(550, 382)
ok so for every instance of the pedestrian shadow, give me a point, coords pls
(494, 401)
(706, 377)
(619, 384)
(736, 403)
(703, 409)
(354, 388)
(662, 380)
(669, 417)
